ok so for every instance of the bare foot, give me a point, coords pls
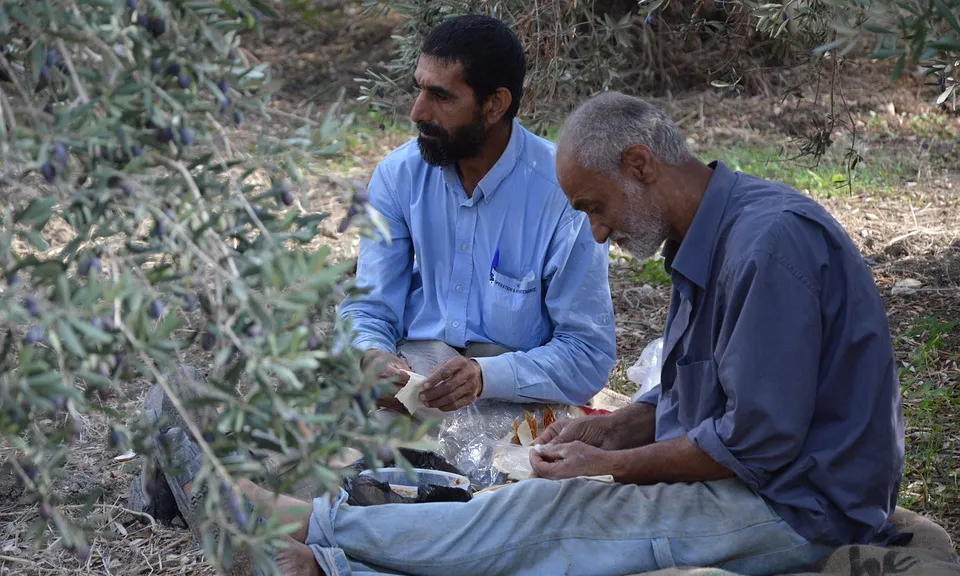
(296, 559)
(289, 509)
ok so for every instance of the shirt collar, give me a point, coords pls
(499, 171)
(692, 257)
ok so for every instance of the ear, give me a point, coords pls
(496, 105)
(639, 162)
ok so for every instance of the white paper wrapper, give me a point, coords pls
(513, 460)
(409, 396)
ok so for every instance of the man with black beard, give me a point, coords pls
(490, 284)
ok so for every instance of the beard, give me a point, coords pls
(438, 147)
(644, 229)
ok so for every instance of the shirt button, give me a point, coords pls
(464, 247)
(456, 324)
(459, 288)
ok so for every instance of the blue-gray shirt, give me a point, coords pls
(777, 360)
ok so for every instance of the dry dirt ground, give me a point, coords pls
(905, 221)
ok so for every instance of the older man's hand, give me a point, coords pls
(629, 427)
(559, 461)
(593, 430)
(453, 385)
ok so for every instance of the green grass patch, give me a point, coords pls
(932, 414)
(880, 171)
(934, 125)
(639, 272)
(363, 141)
(618, 381)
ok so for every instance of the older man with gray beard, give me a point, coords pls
(776, 433)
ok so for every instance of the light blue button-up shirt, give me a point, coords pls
(514, 265)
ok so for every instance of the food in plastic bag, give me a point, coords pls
(548, 417)
(468, 437)
(513, 460)
(526, 429)
(646, 371)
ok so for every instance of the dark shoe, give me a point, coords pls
(157, 488)
(150, 493)
(177, 462)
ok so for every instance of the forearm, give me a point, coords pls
(376, 316)
(631, 427)
(384, 271)
(370, 333)
(676, 460)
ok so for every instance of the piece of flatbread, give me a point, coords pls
(409, 396)
(524, 434)
(548, 417)
(532, 423)
(514, 461)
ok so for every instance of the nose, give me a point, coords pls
(600, 231)
(418, 113)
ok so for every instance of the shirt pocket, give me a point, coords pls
(512, 311)
(696, 392)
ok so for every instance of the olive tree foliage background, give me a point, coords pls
(777, 49)
(570, 51)
(135, 233)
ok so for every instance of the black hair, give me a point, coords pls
(491, 54)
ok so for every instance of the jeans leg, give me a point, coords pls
(574, 526)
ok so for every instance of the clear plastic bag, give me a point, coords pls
(646, 370)
(513, 460)
(469, 437)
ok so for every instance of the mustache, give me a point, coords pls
(428, 129)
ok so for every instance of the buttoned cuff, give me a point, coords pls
(499, 378)
(706, 438)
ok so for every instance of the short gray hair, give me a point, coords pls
(602, 127)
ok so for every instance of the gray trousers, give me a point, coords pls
(425, 355)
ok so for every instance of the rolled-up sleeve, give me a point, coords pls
(651, 397)
(767, 358)
(384, 269)
(575, 363)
